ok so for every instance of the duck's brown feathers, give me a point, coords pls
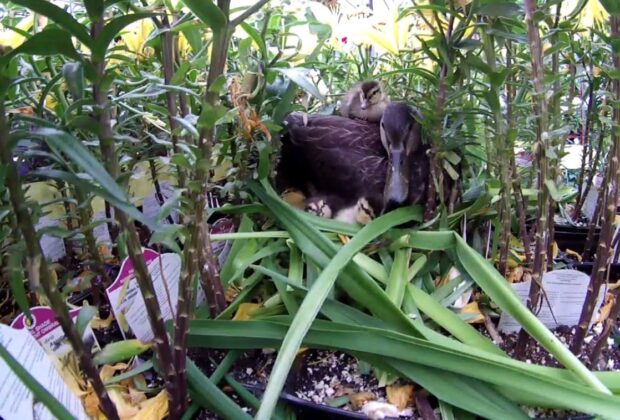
(333, 155)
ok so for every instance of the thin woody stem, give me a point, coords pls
(542, 164)
(36, 261)
(603, 251)
(134, 247)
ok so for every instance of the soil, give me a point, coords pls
(326, 378)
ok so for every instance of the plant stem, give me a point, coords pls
(168, 57)
(603, 251)
(586, 147)
(610, 322)
(134, 247)
(504, 161)
(37, 261)
(542, 168)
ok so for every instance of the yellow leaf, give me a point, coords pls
(515, 275)
(125, 410)
(98, 323)
(108, 371)
(400, 395)
(571, 253)
(360, 398)
(244, 313)
(155, 408)
(472, 308)
(606, 309)
(344, 239)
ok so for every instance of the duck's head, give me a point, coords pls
(401, 135)
(371, 94)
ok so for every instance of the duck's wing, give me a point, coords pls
(337, 155)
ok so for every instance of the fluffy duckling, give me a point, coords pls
(365, 100)
(334, 207)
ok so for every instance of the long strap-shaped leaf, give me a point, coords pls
(497, 288)
(494, 285)
(318, 248)
(311, 305)
(457, 358)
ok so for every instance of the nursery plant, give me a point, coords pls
(158, 121)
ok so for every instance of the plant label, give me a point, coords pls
(222, 248)
(152, 204)
(53, 247)
(127, 301)
(101, 231)
(46, 329)
(16, 400)
(566, 293)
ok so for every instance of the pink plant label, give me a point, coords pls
(46, 329)
(126, 298)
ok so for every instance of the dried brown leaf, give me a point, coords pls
(515, 275)
(360, 398)
(400, 395)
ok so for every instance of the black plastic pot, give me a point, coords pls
(586, 267)
(306, 410)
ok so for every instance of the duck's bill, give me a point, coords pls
(397, 182)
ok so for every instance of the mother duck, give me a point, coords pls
(345, 165)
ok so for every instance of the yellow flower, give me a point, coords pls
(134, 37)
(592, 13)
(12, 39)
(50, 102)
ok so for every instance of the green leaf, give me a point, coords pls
(208, 13)
(94, 8)
(84, 317)
(16, 280)
(179, 76)
(553, 190)
(48, 42)
(210, 115)
(253, 33)
(58, 15)
(299, 76)
(448, 355)
(111, 30)
(500, 9)
(208, 395)
(450, 321)
(612, 7)
(120, 351)
(148, 365)
(74, 75)
(39, 392)
(311, 305)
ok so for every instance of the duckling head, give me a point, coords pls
(371, 94)
(401, 135)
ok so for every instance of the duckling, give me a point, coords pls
(365, 100)
(335, 207)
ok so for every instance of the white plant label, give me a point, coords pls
(127, 301)
(101, 232)
(53, 247)
(152, 205)
(566, 291)
(16, 400)
(46, 329)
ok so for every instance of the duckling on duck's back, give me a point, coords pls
(365, 100)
